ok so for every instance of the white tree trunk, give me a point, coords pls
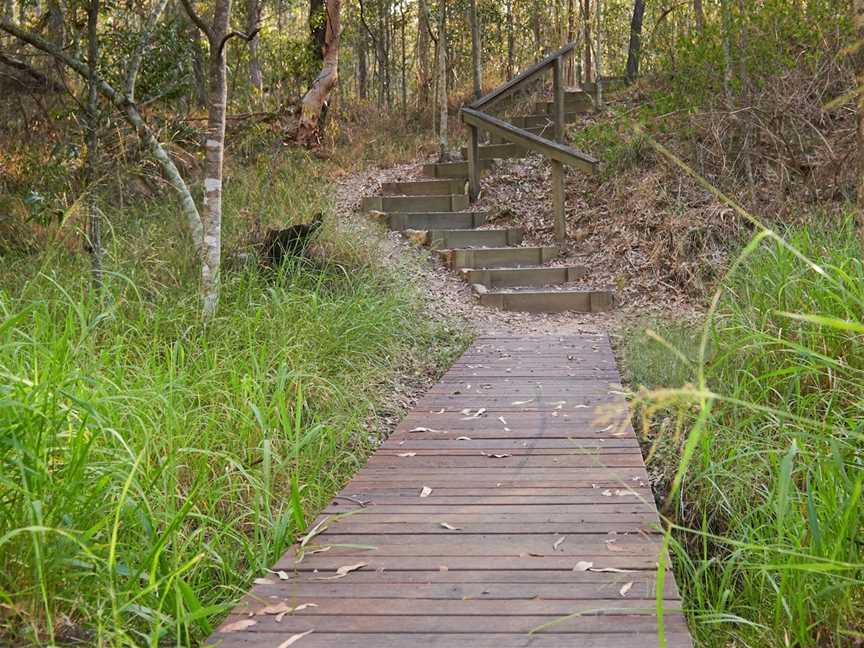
(315, 98)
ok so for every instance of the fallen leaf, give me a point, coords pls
(281, 574)
(407, 454)
(426, 492)
(611, 570)
(501, 418)
(463, 438)
(450, 527)
(237, 626)
(520, 402)
(558, 543)
(531, 554)
(343, 571)
(294, 638)
(423, 429)
(496, 456)
(606, 493)
(583, 565)
(580, 406)
(263, 581)
(625, 588)
(443, 568)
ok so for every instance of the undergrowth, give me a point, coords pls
(151, 465)
(767, 423)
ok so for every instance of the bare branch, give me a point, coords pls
(237, 34)
(199, 22)
(143, 41)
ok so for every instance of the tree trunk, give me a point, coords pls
(424, 78)
(511, 43)
(586, 36)
(315, 99)
(362, 67)
(726, 14)
(253, 20)
(94, 233)
(214, 150)
(634, 50)
(475, 48)
(598, 53)
(570, 69)
(404, 72)
(441, 83)
(699, 12)
(858, 21)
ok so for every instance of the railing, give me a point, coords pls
(558, 153)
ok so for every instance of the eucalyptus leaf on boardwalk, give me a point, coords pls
(506, 510)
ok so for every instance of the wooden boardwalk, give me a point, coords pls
(497, 508)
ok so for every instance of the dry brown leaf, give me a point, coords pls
(290, 641)
(237, 626)
(625, 588)
(583, 565)
(343, 571)
(425, 492)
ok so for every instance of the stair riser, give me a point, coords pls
(542, 131)
(415, 203)
(443, 239)
(423, 188)
(498, 257)
(435, 221)
(582, 302)
(534, 277)
(580, 107)
(452, 169)
(498, 151)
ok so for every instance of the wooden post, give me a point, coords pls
(558, 200)
(558, 102)
(557, 175)
(473, 162)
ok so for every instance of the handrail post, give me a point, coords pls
(473, 162)
(558, 101)
(557, 175)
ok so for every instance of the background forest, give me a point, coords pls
(173, 411)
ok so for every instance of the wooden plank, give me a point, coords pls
(475, 541)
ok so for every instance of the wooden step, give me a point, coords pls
(454, 202)
(462, 238)
(459, 220)
(498, 151)
(529, 276)
(452, 169)
(502, 257)
(535, 120)
(546, 300)
(423, 188)
(579, 107)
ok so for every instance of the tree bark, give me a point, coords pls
(570, 75)
(726, 13)
(699, 12)
(858, 22)
(441, 84)
(511, 43)
(424, 78)
(475, 48)
(253, 20)
(308, 133)
(586, 36)
(94, 225)
(362, 67)
(635, 48)
(598, 53)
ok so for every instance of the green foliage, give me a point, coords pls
(150, 465)
(769, 549)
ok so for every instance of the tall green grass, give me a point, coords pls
(765, 486)
(151, 465)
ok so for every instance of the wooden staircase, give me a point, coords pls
(505, 273)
